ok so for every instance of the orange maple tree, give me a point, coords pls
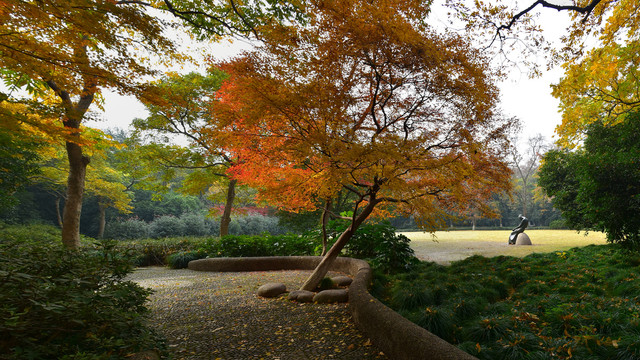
(369, 99)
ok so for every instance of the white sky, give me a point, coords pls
(528, 99)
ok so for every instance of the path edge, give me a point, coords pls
(396, 336)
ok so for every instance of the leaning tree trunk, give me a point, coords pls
(226, 215)
(324, 265)
(75, 190)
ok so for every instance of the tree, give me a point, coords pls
(603, 86)
(104, 182)
(366, 99)
(599, 53)
(65, 52)
(598, 187)
(525, 169)
(217, 19)
(19, 160)
(182, 114)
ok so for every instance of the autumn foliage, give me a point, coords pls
(368, 99)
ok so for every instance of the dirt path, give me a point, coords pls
(207, 315)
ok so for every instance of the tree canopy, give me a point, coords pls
(598, 186)
(368, 99)
(63, 53)
(598, 51)
(181, 114)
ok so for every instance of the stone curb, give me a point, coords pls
(396, 336)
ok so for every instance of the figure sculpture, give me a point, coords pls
(524, 222)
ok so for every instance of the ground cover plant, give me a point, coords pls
(581, 303)
(56, 303)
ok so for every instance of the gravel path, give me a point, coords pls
(208, 315)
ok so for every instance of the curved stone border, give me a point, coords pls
(396, 336)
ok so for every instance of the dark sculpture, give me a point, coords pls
(519, 229)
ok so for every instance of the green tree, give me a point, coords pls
(18, 164)
(181, 114)
(525, 166)
(598, 187)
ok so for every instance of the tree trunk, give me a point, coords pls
(324, 265)
(473, 223)
(102, 220)
(58, 214)
(226, 215)
(75, 190)
(325, 221)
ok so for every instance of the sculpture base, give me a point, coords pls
(523, 239)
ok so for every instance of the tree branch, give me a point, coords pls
(586, 10)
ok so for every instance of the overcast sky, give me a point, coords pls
(528, 99)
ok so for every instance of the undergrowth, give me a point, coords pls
(57, 303)
(583, 303)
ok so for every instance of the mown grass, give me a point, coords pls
(446, 246)
(582, 303)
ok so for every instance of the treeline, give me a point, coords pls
(152, 212)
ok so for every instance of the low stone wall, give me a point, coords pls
(396, 336)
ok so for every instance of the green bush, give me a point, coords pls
(180, 260)
(29, 233)
(263, 245)
(166, 226)
(194, 224)
(56, 303)
(255, 224)
(326, 284)
(154, 252)
(380, 245)
(128, 229)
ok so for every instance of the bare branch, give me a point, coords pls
(586, 10)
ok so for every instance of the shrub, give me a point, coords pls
(166, 226)
(156, 252)
(213, 226)
(56, 303)
(385, 250)
(30, 233)
(558, 224)
(128, 229)
(254, 224)
(326, 284)
(194, 225)
(180, 260)
(264, 245)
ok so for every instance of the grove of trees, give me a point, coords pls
(338, 101)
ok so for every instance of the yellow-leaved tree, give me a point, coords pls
(64, 53)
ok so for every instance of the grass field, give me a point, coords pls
(447, 246)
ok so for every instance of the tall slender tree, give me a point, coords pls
(181, 114)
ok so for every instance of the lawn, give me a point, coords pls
(446, 246)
